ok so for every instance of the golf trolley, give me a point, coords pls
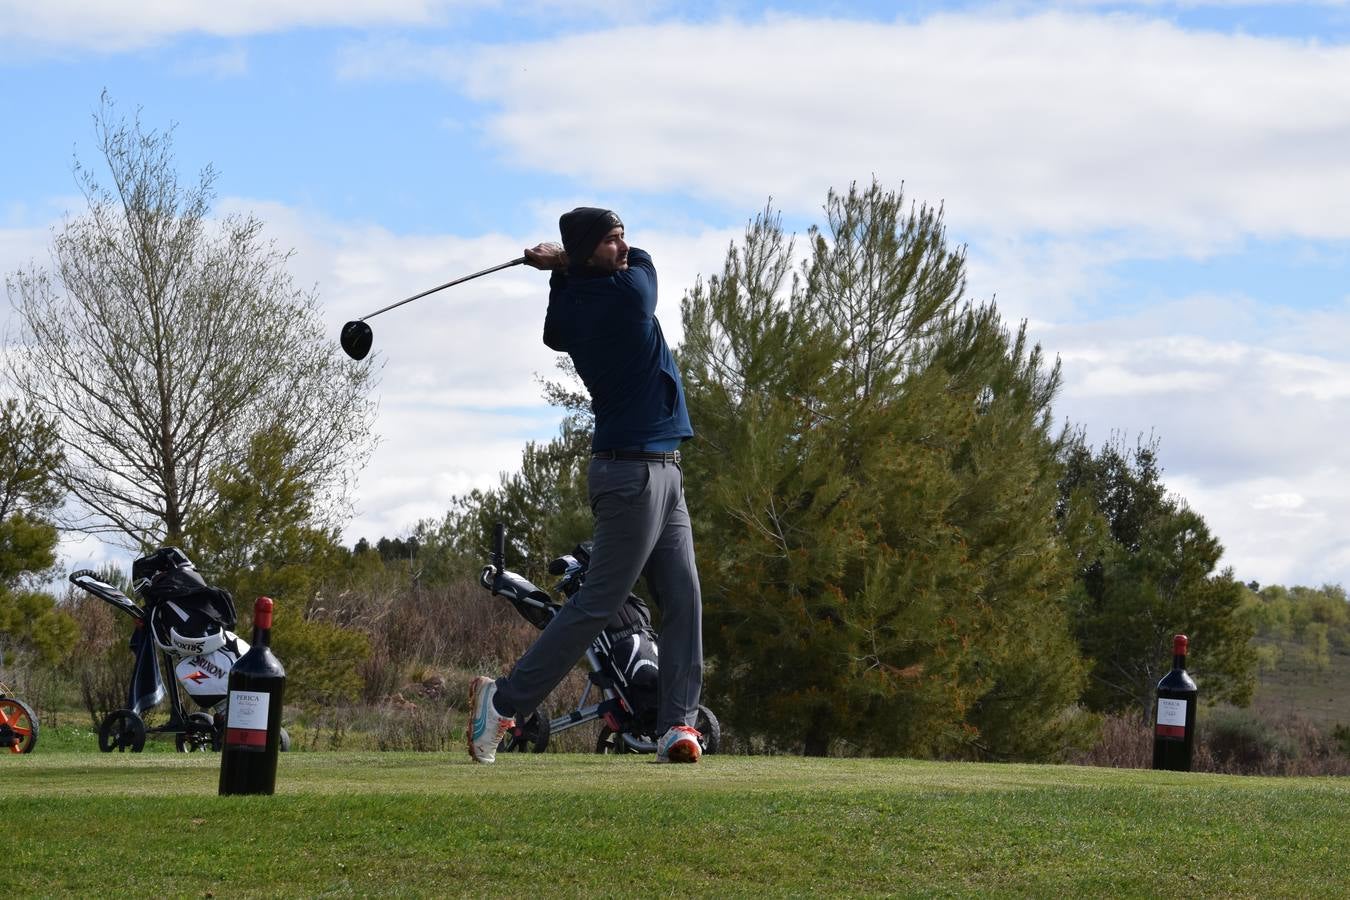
(18, 724)
(623, 661)
(184, 627)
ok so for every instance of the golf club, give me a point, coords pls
(357, 336)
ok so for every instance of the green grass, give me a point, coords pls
(76, 735)
(580, 825)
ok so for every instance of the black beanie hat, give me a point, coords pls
(582, 230)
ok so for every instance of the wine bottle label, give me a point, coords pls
(1171, 718)
(246, 721)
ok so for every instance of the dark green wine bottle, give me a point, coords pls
(248, 758)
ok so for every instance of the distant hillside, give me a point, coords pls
(1303, 643)
(1294, 686)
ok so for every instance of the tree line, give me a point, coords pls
(902, 551)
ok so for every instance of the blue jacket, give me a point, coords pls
(607, 324)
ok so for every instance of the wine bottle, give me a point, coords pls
(248, 758)
(1174, 725)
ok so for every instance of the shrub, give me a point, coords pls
(102, 661)
(409, 726)
(1124, 742)
(1230, 741)
(1341, 735)
(1239, 742)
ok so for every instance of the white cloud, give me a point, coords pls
(1109, 380)
(1278, 531)
(110, 26)
(19, 247)
(1070, 124)
(1283, 501)
(230, 63)
(82, 551)
(1250, 436)
(1193, 4)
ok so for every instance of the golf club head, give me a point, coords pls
(356, 339)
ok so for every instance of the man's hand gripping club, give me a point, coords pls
(547, 256)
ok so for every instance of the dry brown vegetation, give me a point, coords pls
(1229, 741)
(428, 642)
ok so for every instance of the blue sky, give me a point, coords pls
(1162, 190)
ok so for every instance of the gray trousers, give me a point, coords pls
(641, 528)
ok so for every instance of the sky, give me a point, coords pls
(1160, 190)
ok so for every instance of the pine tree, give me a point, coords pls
(31, 624)
(874, 489)
(1146, 570)
(264, 537)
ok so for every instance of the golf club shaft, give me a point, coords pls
(441, 287)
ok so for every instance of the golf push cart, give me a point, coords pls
(623, 661)
(18, 724)
(184, 627)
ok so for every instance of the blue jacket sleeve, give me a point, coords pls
(640, 278)
(556, 317)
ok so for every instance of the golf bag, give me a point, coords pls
(184, 626)
(624, 661)
(189, 622)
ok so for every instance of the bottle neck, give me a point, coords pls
(1180, 644)
(262, 621)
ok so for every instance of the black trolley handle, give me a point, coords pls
(494, 573)
(498, 555)
(88, 580)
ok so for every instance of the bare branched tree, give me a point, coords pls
(162, 340)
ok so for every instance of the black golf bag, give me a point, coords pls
(189, 621)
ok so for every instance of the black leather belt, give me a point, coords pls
(670, 456)
(622, 633)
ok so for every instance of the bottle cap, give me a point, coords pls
(1179, 644)
(262, 613)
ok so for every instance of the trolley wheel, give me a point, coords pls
(122, 730)
(530, 736)
(199, 734)
(706, 724)
(18, 726)
(284, 741)
(611, 741)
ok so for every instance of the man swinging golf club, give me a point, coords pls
(601, 312)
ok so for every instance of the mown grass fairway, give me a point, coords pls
(577, 825)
